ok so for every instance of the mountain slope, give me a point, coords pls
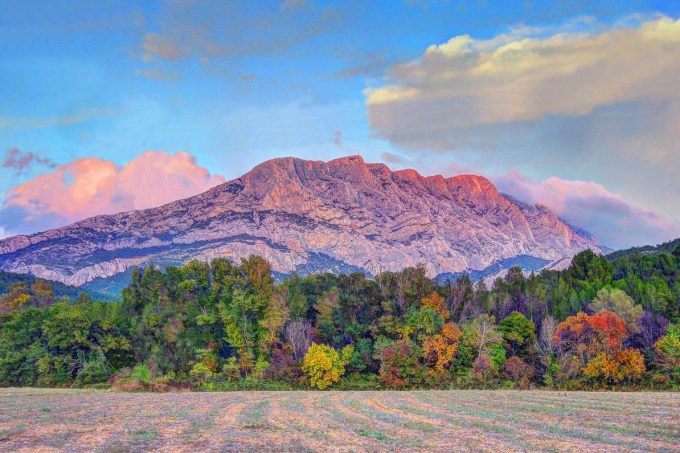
(308, 216)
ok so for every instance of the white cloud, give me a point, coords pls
(524, 76)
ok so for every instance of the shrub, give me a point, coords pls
(231, 370)
(201, 372)
(140, 373)
(94, 371)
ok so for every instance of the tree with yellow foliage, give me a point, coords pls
(324, 365)
(616, 368)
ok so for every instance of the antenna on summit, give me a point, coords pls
(358, 153)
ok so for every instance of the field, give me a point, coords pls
(84, 420)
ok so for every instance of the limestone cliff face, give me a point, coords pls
(309, 216)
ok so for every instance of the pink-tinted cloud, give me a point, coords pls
(588, 205)
(91, 186)
(455, 170)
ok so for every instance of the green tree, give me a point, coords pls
(620, 303)
(422, 323)
(668, 350)
(518, 332)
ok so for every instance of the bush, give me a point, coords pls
(201, 372)
(94, 371)
(359, 382)
(483, 373)
(140, 373)
(140, 379)
(231, 371)
(668, 350)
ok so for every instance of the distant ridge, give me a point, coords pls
(666, 247)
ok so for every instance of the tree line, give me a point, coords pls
(222, 325)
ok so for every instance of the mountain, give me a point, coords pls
(310, 216)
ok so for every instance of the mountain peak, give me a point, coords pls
(352, 159)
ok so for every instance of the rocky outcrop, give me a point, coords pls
(309, 216)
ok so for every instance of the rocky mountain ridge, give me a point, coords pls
(309, 216)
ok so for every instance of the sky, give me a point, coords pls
(112, 105)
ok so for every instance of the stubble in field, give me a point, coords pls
(81, 420)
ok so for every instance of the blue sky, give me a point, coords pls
(233, 84)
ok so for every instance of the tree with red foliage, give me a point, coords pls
(399, 364)
(590, 334)
(518, 371)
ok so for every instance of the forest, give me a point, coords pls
(599, 324)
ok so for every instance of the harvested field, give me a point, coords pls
(83, 420)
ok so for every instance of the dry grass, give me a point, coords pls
(80, 420)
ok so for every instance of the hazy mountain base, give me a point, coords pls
(112, 286)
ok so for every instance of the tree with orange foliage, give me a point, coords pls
(597, 342)
(437, 303)
(609, 329)
(440, 349)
